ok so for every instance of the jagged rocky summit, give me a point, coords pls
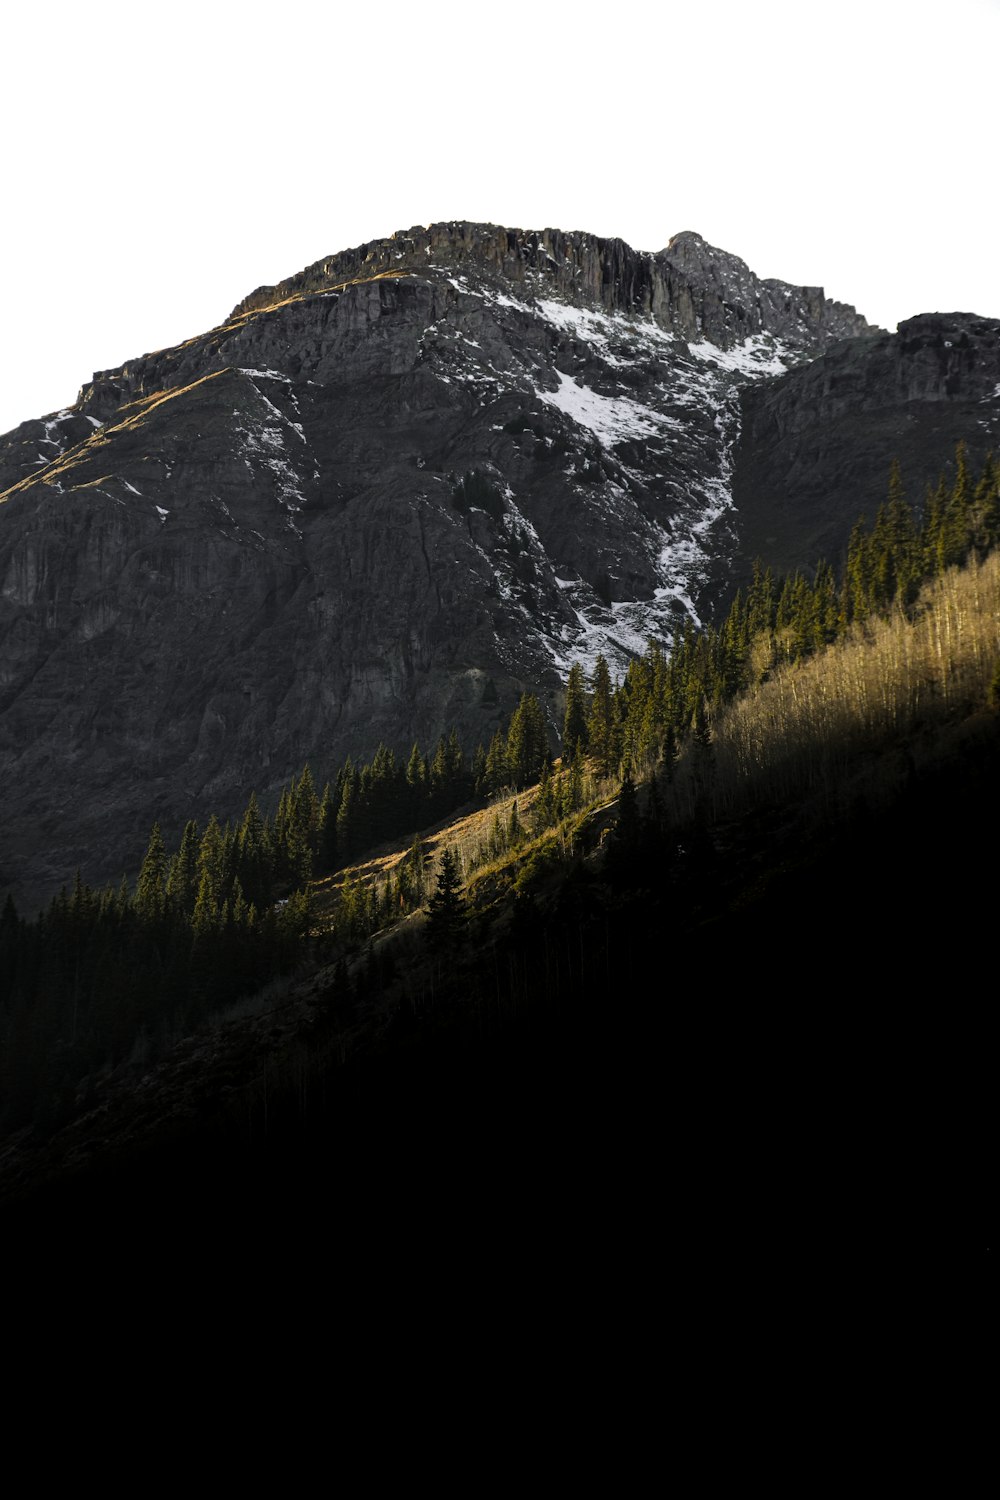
(386, 495)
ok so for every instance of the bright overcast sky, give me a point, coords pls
(159, 162)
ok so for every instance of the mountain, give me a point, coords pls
(816, 447)
(389, 493)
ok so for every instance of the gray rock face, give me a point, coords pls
(817, 446)
(376, 502)
(690, 288)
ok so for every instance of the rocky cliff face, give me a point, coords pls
(816, 447)
(379, 500)
(690, 288)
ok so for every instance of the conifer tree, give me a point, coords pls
(933, 530)
(439, 774)
(415, 771)
(575, 718)
(205, 920)
(183, 878)
(347, 814)
(601, 724)
(953, 539)
(415, 862)
(627, 826)
(349, 910)
(497, 771)
(855, 589)
(546, 810)
(253, 856)
(402, 887)
(446, 912)
(238, 906)
(527, 742)
(327, 832)
(150, 887)
(760, 601)
(985, 517)
(575, 785)
(479, 780)
(456, 765)
(210, 861)
(495, 846)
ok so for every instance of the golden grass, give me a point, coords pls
(141, 407)
(463, 834)
(892, 682)
(340, 286)
(68, 460)
(467, 836)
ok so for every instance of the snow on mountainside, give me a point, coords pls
(662, 416)
(378, 501)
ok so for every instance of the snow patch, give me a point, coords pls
(758, 356)
(267, 375)
(612, 419)
(52, 425)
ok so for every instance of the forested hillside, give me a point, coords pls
(792, 769)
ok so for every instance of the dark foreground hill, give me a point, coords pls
(784, 1055)
(777, 1021)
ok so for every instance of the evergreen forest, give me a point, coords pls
(510, 891)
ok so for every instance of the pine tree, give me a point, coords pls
(327, 831)
(601, 724)
(149, 891)
(575, 718)
(985, 518)
(446, 912)
(347, 814)
(456, 766)
(210, 862)
(205, 920)
(479, 781)
(350, 908)
(182, 881)
(546, 807)
(760, 601)
(416, 786)
(402, 888)
(953, 540)
(855, 589)
(415, 862)
(253, 860)
(627, 826)
(497, 770)
(574, 795)
(527, 743)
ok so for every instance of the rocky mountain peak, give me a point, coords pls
(378, 501)
(702, 261)
(691, 288)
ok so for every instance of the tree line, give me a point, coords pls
(667, 699)
(102, 972)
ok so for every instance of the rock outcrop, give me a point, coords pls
(817, 446)
(690, 288)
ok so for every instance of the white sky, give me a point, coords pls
(159, 162)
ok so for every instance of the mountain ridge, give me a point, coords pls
(380, 506)
(734, 303)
